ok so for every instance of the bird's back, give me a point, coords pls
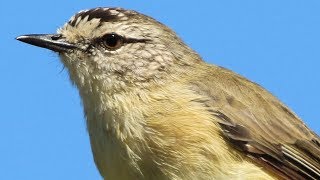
(258, 124)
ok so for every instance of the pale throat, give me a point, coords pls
(111, 104)
(110, 110)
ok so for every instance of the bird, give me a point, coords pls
(156, 110)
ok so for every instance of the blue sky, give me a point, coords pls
(42, 129)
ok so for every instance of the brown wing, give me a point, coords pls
(259, 125)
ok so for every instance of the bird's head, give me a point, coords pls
(113, 49)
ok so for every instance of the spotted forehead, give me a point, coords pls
(102, 14)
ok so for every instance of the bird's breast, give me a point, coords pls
(113, 123)
(110, 153)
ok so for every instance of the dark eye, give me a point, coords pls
(112, 41)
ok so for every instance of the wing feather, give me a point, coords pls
(259, 125)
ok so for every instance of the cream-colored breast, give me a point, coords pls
(142, 136)
(115, 127)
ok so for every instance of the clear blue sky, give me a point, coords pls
(42, 129)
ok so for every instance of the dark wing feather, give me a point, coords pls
(259, 125)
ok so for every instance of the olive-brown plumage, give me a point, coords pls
(156, 110)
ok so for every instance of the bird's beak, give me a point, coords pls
(54, 42)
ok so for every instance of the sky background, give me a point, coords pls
(42, 129)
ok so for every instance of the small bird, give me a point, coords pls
(155, 110)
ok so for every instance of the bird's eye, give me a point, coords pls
(112, 41)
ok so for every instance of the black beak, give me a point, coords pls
(54, 42)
